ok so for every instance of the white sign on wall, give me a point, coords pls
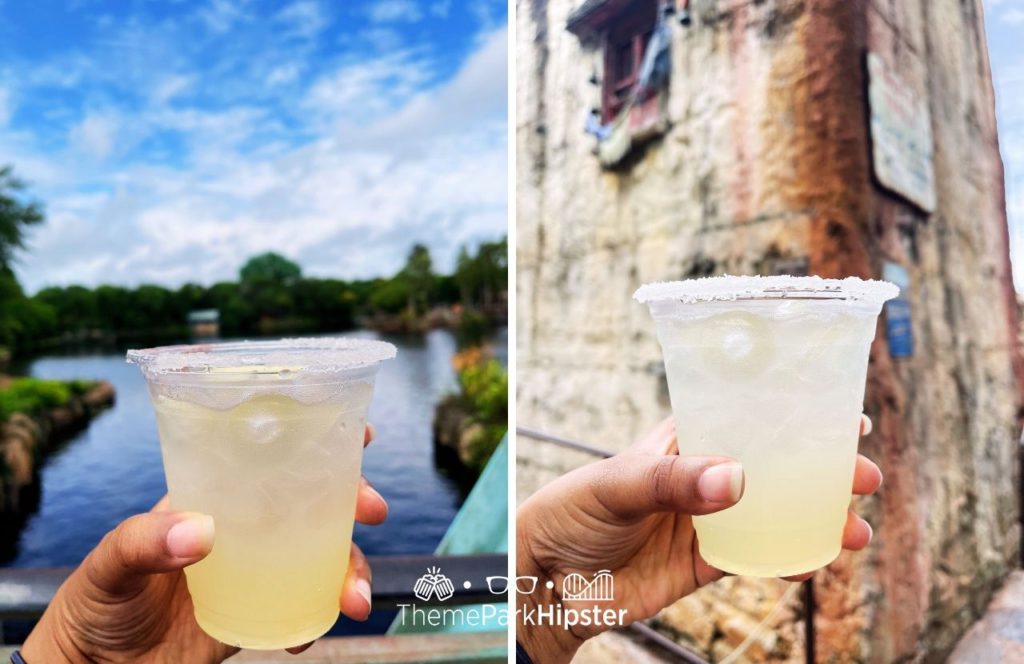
(901, 136)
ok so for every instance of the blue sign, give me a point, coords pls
(897, 313)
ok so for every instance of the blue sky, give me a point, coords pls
(171, 140)
(1004, 22)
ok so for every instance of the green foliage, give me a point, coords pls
(22, 319)
(418, 275)
(269, 268)
(484, 391)
(80, 387)
(391, 296)
(265, 283)
(473, 327)
(482, 278)
(32, 395)
(16, 215)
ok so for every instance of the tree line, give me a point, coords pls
(271, 295)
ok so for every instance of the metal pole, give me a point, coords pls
(564, 442)
(809, 636)
(668, 644)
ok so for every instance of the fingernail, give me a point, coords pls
(871, 531)
(867, 425)
(363, 588)
(371, 489)
(722, 483)
(191, 537)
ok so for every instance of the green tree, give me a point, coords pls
(270, 268)
(324, 304)
(16, 215)
(115, 307)
(22, 320)
(484, 276)
(237, 316)
(191, 297)
(418, 275)
(390, 295)
(75, 307)
(265, 283)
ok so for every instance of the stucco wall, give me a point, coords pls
(766, 165)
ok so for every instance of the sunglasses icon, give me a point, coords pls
(498, 585)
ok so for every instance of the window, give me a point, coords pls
(625, 43)
(622, 31)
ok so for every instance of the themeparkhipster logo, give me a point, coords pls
(436, 587)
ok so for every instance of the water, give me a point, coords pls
(113, 469)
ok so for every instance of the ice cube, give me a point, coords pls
(264, 428)
(737, 345)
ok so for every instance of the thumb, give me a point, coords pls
(151, 543)
(632, 486)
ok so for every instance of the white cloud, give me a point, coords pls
(382, 39)
(95, 135)
(5, 107)
(303, 18)
(385, 11)
(283, 74)
(393, 159)
(479, 89)
(367, 88)
(486, 13)
(171, 87)
(222, 15)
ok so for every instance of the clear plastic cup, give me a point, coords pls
(770, 371)
(267, 438)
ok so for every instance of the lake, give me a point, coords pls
(113, 469)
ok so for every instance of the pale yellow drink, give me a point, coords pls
(267, 438)
(771, 372)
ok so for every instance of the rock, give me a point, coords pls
(25, 440)
(100, 396)
(737, 626)
(455, 433)
(692, 618)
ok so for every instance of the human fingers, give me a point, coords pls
(151, 543)
(632, 486)
(371, 508)
(867, 476)
(356, 594)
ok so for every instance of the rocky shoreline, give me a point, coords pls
(455, 433)
(26, 440)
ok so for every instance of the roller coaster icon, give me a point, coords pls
(601, 588)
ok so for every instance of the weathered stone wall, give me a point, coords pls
(766, 166)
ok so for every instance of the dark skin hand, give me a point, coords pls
(631, 515)
(128, 602)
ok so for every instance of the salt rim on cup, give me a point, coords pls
(311, 355)
(728, 288)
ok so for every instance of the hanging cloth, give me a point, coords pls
(654, 71)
